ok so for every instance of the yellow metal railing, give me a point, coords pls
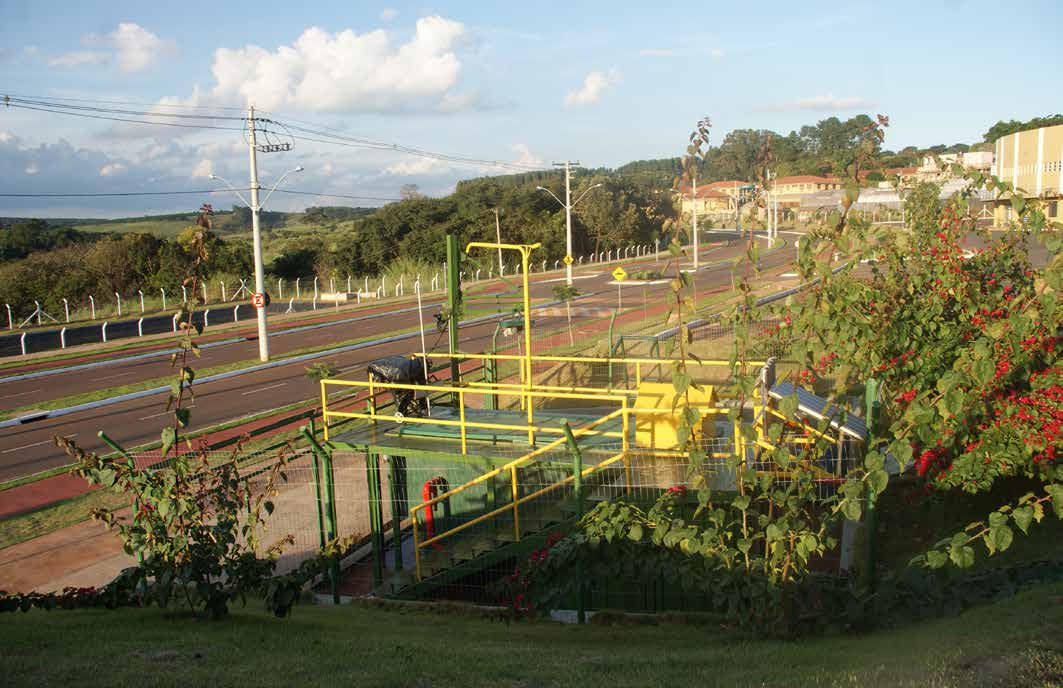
(637, 362)
(463, 423)
(516, 500)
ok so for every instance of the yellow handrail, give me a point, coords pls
(585, 359)
(511, 468)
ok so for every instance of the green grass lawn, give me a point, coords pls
(1016, 642)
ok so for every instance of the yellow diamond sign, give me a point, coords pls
(620, 274)
(567, 260)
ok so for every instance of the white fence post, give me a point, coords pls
(66, 310)
(223, 297)
(175, 317)
(141, 292)
(140, 327)
(184, 294)
(206, 318)
(10, 321)
(62, 338)
(205, 297)
(291, 305)
(581, 260)
(163, 297)
(556, 263)
(236, 313)
(22, 342)
(315, 290)
(118, 298)
(348, 283)
(297, 286)
(280, 288)
(477, 277)
(103, 331)
(315, 302)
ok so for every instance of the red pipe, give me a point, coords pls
(432, 488)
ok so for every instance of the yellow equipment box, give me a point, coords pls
(658, 430)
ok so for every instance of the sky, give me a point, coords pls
(526, 84)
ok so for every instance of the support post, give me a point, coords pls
(326, 505)
(577, 490)
(376, 516)
(397, 491)
(453, 304)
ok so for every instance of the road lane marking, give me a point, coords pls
(108, 377)
(8, 396)
(35, 444)
(164, 413)
(263, 389)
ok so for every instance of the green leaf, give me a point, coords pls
(169, 437)
(1018, 203)
(962, 556)
(936, 559)
(878, 479)
(1056, 491)
(851, 509)
(1023, 517)
(741, 502)
(183, 416)
(1001, 537)
(268, 506)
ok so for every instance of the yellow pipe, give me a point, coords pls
(461, 412)
(516, 512)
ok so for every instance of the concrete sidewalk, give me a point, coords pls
(81, 555)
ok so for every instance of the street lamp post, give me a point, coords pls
(568, 218)
(256, 239)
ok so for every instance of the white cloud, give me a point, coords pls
(79, 58)
(136, 48)
(6, 136)
(388, 13)
(418, 166)
(821, 103)
(133, 47)
(716, 53)
(111, 169)
(524, 155)
(204, 168)
(657, 52)
(594, 85)
(32, 169)
(347, 71)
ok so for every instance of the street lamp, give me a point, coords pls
(256, 239)
(568, 222)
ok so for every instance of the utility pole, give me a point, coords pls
(498, 240)
(567, 205)
(256, 239)
(694, 214)
(568, 216)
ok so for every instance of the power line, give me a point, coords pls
(123, 193)
(8, 100)
(126, 119)
(131, 102)
(332, 195)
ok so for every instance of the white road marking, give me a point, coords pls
(8, 396)
(164, 413)
(263, 389)
(788, 274)
(35, 444)
(108, 377)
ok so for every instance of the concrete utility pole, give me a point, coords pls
(256, 238)
(567, 204)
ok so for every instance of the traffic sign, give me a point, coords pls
(567, 260)
(620, 274)
(260, 300)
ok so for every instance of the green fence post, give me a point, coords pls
(308, 432)
(397, 491)
(376, 516)
(871, 401)
(327, 506)
(577, 488)
(454, 304)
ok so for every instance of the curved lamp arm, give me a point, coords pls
(543, 188)
(266, 199)
(584, 194)
(225, 181)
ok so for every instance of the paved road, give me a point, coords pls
(27, 448)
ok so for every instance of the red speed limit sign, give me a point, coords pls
(259, 300)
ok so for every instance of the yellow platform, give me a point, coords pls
(659, 430)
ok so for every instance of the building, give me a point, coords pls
(1032, 161)
(789, 191)
(937, 168)
(714, 200)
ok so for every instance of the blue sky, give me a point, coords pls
(604, 83)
